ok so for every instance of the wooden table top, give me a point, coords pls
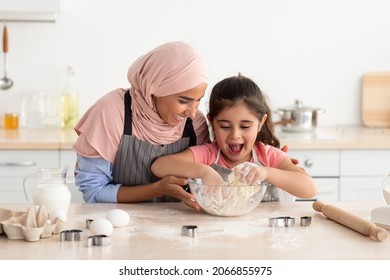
(154, 232)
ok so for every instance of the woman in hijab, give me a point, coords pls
(125, 130)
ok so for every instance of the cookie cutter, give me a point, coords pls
(282, 222)
(189, 230)
(88, 223)
(99, 240)
(305, 221)
(70, 235)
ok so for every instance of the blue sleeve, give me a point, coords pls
(93, 177)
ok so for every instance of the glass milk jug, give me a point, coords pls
(50, 189)
(386, 189)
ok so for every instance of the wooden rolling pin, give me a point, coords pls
(350, 220)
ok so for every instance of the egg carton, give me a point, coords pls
(31, 225)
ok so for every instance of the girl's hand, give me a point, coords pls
(250, 173)
(212, 177)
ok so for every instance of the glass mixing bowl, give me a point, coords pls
(227, 200)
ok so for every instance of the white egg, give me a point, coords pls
(101, 226)
(59, 214)
(118, 217)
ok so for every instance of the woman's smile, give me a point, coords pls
(176, 108)
(180, 118)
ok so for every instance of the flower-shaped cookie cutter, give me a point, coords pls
(285, 221)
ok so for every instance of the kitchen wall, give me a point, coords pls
(313, 50)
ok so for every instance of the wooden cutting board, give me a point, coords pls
(376, 99)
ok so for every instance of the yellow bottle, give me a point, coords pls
(69, 102)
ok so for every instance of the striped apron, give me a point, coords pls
(134, 157)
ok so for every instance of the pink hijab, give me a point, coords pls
(168, 69)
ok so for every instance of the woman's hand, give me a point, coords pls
(173, 186)
(285, 149)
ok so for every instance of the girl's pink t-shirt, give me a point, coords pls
(267, 155)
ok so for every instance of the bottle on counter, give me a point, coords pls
(69, 101)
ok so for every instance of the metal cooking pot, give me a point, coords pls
(298, 118)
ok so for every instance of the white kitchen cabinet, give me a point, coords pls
(362, 172)
(346, 175)
(15, 165)
(68, 158)
(318, 163)
(327, 189)
(360, 188)
(323, 166)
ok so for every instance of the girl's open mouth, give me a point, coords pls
(236, 148)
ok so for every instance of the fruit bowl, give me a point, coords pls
(227, 200)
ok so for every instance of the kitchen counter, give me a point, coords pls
(37, 139)
(324, 138)
(340, 137)
(154, 232)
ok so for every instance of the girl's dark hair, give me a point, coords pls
(229, 91)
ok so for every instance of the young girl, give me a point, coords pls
(243, 130)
